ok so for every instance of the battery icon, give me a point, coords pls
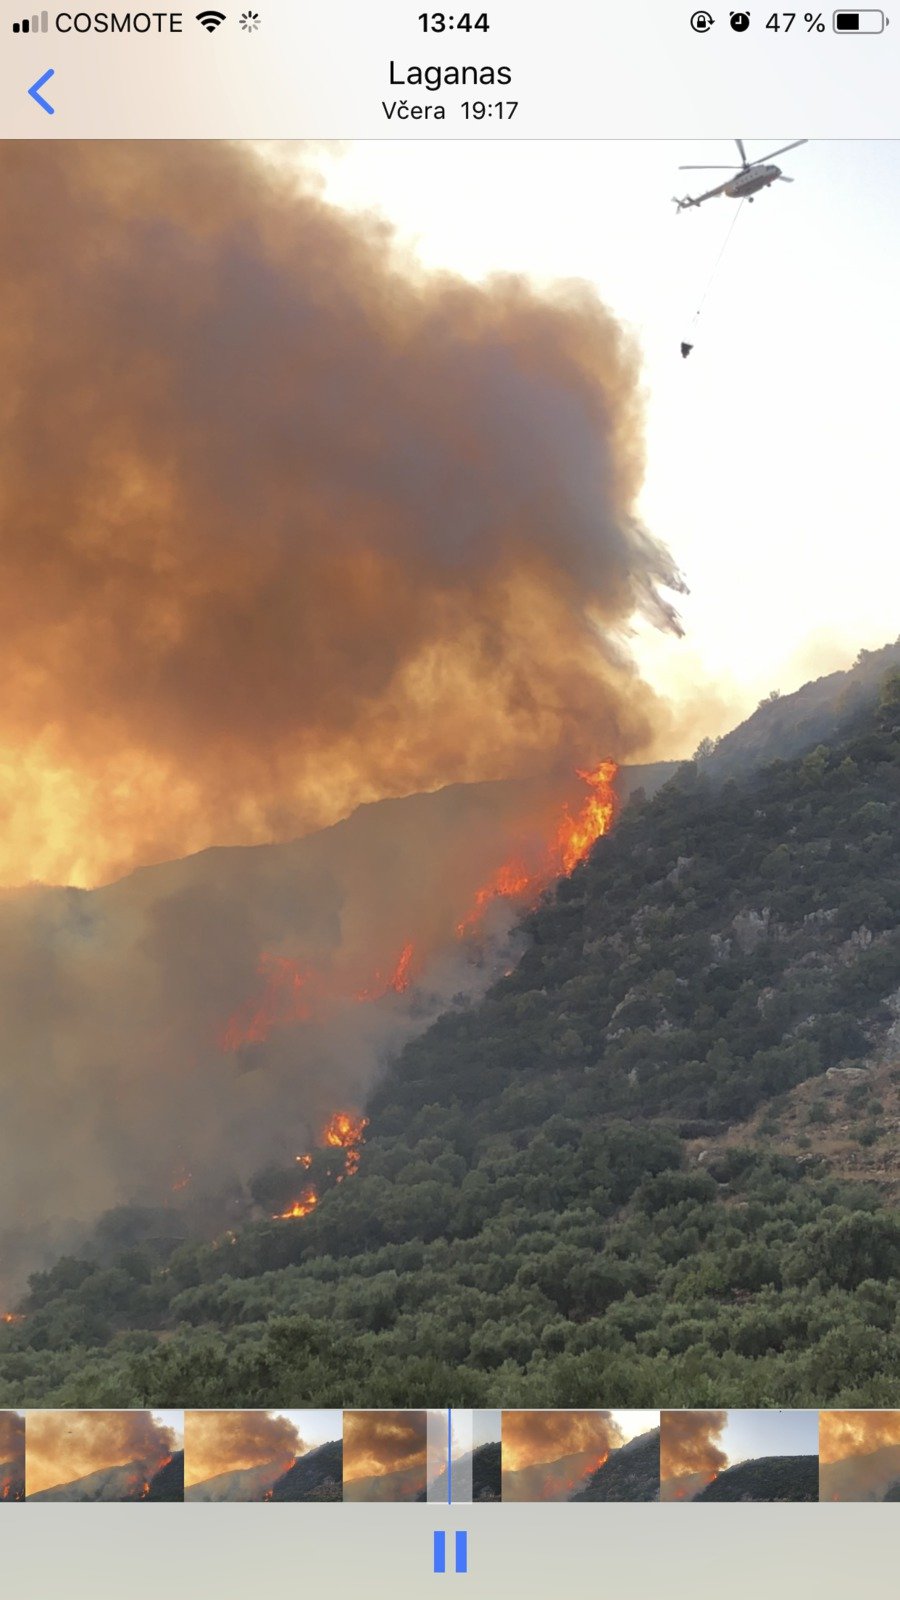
(859, 22)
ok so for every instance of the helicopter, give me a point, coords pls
(750, 176)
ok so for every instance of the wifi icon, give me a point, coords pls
(210, 20)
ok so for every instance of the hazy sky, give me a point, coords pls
(771, 449)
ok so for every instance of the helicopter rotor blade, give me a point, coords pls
(784, 147)
(742, 152)
(714, 168)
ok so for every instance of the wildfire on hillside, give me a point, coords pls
(573, 841)
(296, 992)
(301, 1207)
(345, 1130)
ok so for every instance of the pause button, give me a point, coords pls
(461, 1551)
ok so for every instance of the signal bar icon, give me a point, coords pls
(34, 24)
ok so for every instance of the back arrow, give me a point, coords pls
(35, 93)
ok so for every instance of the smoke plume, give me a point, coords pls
(230, 1441)
(12, 1456)
(689, 1456)
(381, 1444)
(859, 1454)
(287, 524)
(63, 1446)
(530, 1437)
(12, 1435)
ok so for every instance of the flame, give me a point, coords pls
(289, 995)
(399, 980)
(509, 882)
(344, 1131)
(307, 1202)
(397, 983)
(294, 992)
(182, 1182)
(12, 1317)
(575, 838)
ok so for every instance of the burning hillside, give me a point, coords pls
(95, 1455)
(259, 1455)
(294, 993)
(552, 1455)
(138, 1010)
(418, 587)
(344, 1132)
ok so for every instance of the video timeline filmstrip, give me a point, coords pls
(449, 1457)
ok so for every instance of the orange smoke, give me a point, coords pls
(689, 1457)
(532, 1437)
(12, 1435)
(859, 1454)
(383, 1443)
(63, 1446)
(230, 1441)
(856, 1433)
(319, 528)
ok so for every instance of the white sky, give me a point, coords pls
(771, 449)
(634, 1423)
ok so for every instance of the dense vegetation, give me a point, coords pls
(769, 1478)
(533, 1222)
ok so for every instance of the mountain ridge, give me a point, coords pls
(531, 1213)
